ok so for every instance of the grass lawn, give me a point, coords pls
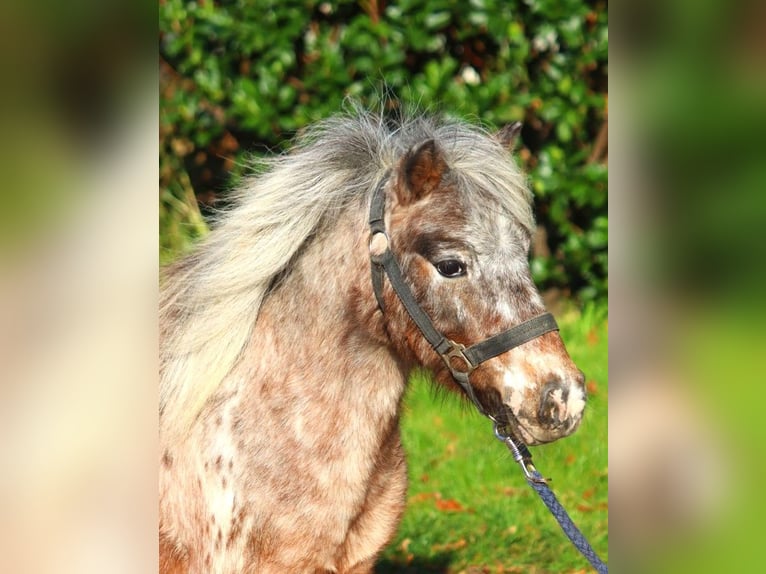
(469, 508)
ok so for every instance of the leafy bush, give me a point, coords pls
(242, 77)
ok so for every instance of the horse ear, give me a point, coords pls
(509, 134)
(422, 170)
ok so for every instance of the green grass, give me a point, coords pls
(469, 508)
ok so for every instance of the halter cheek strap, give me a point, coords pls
(460, 360)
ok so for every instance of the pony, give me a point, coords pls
(282, 371)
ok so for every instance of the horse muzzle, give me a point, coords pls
(557, 414)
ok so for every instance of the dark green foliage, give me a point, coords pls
(242, 77)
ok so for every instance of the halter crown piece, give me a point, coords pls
(460, 360)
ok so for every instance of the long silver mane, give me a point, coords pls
(210, 299)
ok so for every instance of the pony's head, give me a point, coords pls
(459, 220)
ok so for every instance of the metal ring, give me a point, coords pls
(379, 244)
(500, 436)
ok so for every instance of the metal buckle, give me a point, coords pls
(457, 351)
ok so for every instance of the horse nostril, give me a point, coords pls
(553, 405)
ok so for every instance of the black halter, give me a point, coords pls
(460, 360)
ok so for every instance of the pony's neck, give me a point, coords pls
(319, 330)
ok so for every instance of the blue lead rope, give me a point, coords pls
(522, 455)
(570, 529)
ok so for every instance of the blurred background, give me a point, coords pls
(78, 249)
(688, 87)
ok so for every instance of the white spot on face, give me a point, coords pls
(576, 402)
(557, 403)
(514, 385)
(505, 311)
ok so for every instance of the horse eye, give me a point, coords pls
(451, 268)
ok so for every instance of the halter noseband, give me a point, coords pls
(460, 360)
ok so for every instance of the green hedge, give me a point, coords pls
(241, 77)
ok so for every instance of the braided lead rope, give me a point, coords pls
(537, 482)
(522, 456)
